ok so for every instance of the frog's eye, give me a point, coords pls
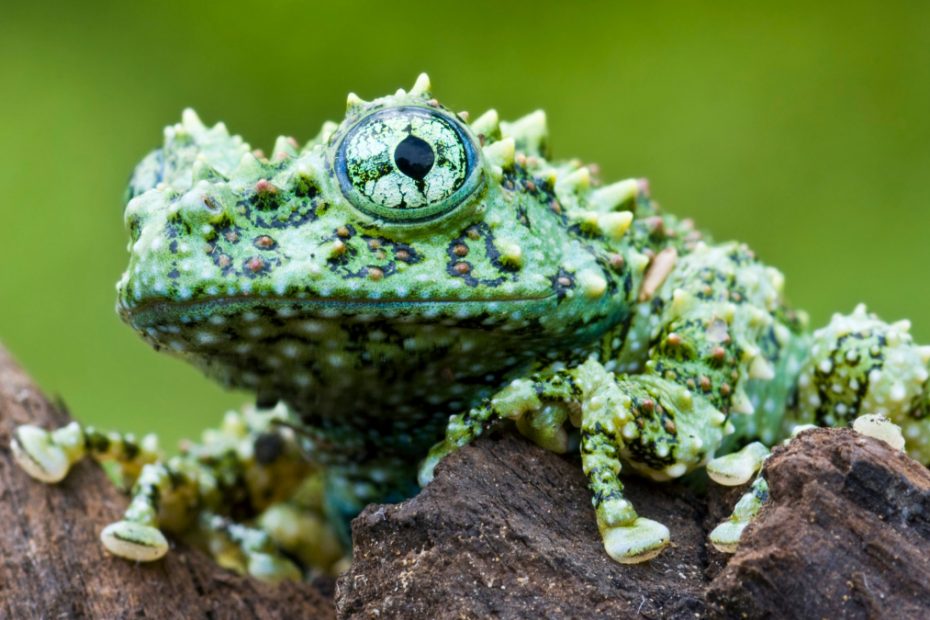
(407, 164)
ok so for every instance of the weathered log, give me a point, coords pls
(507, 530)
(53, 565)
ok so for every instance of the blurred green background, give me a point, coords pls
(803, 130)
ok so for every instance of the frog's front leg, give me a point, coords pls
(654, 424)
(591, 398)
(704, 329)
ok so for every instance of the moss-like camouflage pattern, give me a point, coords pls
(405, 266)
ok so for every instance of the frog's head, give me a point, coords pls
(405, 211)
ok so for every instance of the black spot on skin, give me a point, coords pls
(268, 447)
(174, 274)
(473, 234)
(305, 188)
(266, 401)
(414, 157)
(280, 212)
(98, 443)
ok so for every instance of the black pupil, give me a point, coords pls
(414, 157)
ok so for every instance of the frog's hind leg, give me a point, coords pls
(162, 488)
(859, 364)
(48, 456)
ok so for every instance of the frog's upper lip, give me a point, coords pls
(148, 311)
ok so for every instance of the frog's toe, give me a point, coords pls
(36, 453)
(134, 541)
(739, 467)
(272, 567)
(725, 537)
(428, 465)
(643, 540)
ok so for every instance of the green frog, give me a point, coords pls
(412, 278)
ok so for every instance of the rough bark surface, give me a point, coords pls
(507, 530)
(53, 566)
(847, 535)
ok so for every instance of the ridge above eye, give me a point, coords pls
(407, 164)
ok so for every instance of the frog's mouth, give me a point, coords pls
(486, 311)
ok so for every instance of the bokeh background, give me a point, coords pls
(803, 130)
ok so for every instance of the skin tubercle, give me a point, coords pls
(412, 278)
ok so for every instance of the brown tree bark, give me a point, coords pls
(53, 566)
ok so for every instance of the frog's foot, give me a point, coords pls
(247, 549)
(726, 536)
(642, 540)
(48, 456)
(628, 538)
(134, 541)
(45, 455)
(739, 467)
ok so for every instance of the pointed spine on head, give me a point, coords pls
(615, 196)
(284, 148)
(500, 155)
(249, 167)
(203, 171)
(191, 122)
(530, 133)
(422, 87)
(354, 104)
(571, 184)
(487, 127)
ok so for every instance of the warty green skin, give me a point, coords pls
(373, 303)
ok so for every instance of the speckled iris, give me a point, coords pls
(407, 164)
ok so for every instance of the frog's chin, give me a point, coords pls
(487, 311)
